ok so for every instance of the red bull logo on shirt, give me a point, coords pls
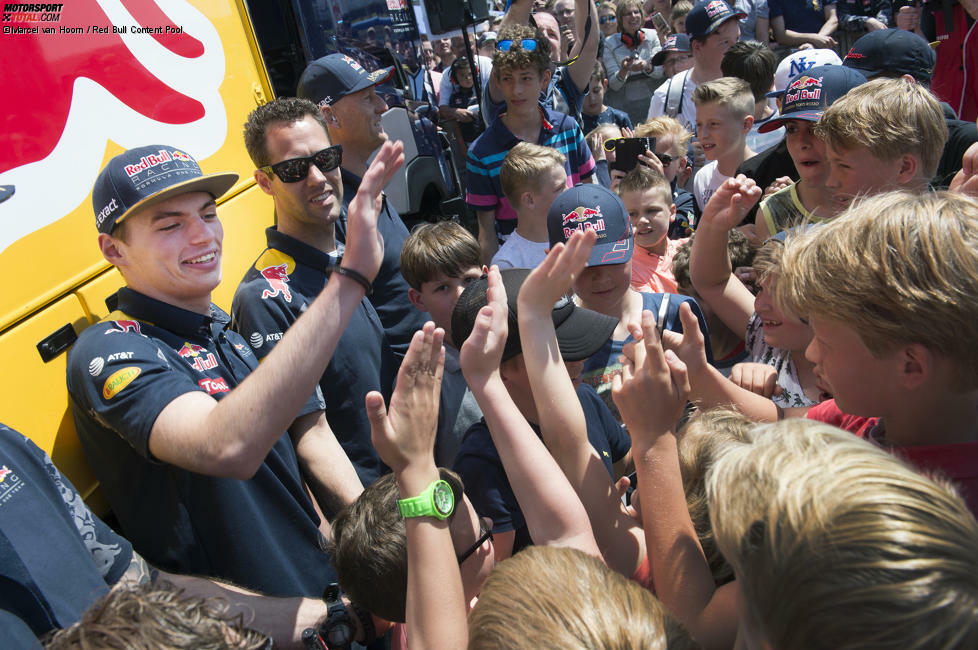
(214, 385)
(584, 219)
(199, 363)
(125, 326)
(277, 278)
(4, 471)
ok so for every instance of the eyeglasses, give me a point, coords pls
(485, 534)
(528, 44)
(296, 169)
(607, 19)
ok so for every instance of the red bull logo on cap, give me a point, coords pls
(582, 218)
(804, 88)
(152, 160)
(352, 63)
(277, 278)
(716, 8)
(200, 363)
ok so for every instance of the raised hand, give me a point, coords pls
(731, 202)
(690, 346)
(653, 386)
(758, 378)
(364, 245)
(552, 279)
(482, 352)
(404, 435)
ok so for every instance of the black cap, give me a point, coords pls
(674, 43)
(580, 332)
(707, 15)
(145, 176)
(334, 76)
(892, 50)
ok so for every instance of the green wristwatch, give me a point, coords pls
(437, 500)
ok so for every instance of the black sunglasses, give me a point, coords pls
(296, 169)
(485, 533)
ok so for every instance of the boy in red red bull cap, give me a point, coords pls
(199, 453)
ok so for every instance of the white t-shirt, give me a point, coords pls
(706, 182)
(518, 252)
(687, 109)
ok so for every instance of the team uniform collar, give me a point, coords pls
(176, 319)
(300, 251)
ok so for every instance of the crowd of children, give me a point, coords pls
(724, 395)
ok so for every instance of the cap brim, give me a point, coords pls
(215, 184)
(617, 252)
(808, 116)
(584, 333)
(368, 82)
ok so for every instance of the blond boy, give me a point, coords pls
(531, 177)
(438, 261)
(889, 291)
(671, 146)
(886, 134)
(648, 201)
(724, 117)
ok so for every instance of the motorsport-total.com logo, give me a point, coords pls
(20, 12)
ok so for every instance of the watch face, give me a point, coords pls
(443, 498)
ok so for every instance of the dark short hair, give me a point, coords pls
(287, 110)
(754, 62)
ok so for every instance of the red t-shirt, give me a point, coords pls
(956, 461)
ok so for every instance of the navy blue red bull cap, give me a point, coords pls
(674, 43)
(706, 16)
(144, 176)
(892, 51)
(810, 93)
(329, 79)
(593, 207)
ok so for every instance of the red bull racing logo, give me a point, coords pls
(125, 326)
(192, 353)
(803, 88)
(716, 8)
(584, 219)
(277, 278)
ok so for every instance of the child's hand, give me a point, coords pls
(552, 279)
(758, 378)
(777, 185)
(731, 202)
(966, 180)
(690, 346)
(651, 391)
(482, 352)
(404, 435)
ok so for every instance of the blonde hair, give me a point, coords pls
(767, 260)
(897, 268)
(665, 125)
(524, 166)
(699, 440)
(680, 10)
(641, 178)
(838, 544)
(890, 117)
(552, 597)
(731, 93)
(608, 130)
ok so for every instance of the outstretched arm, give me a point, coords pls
(709, 261)
(562, 420)
(553, 513)
(404, 437)
(586, 51)
(232, 437)
(651, 394)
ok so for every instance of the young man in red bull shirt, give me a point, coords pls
(186, 433)
(301, 255)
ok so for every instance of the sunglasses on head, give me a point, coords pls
(527, 44)
(485, 533)
(607, 19)
(294, 170)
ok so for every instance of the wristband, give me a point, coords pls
(366, 622)
(356, 276)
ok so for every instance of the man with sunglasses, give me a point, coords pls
(198, 448)
(299, 169)
(346, 95)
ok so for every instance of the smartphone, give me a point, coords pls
(627, 151)
(661, 24)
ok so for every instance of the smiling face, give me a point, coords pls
(315, 201)
(631, 18)
(357, 122)
(650, 212)
(171, 251)
(602, 288)
(610, 24)
(719, 131)
(780, 331)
